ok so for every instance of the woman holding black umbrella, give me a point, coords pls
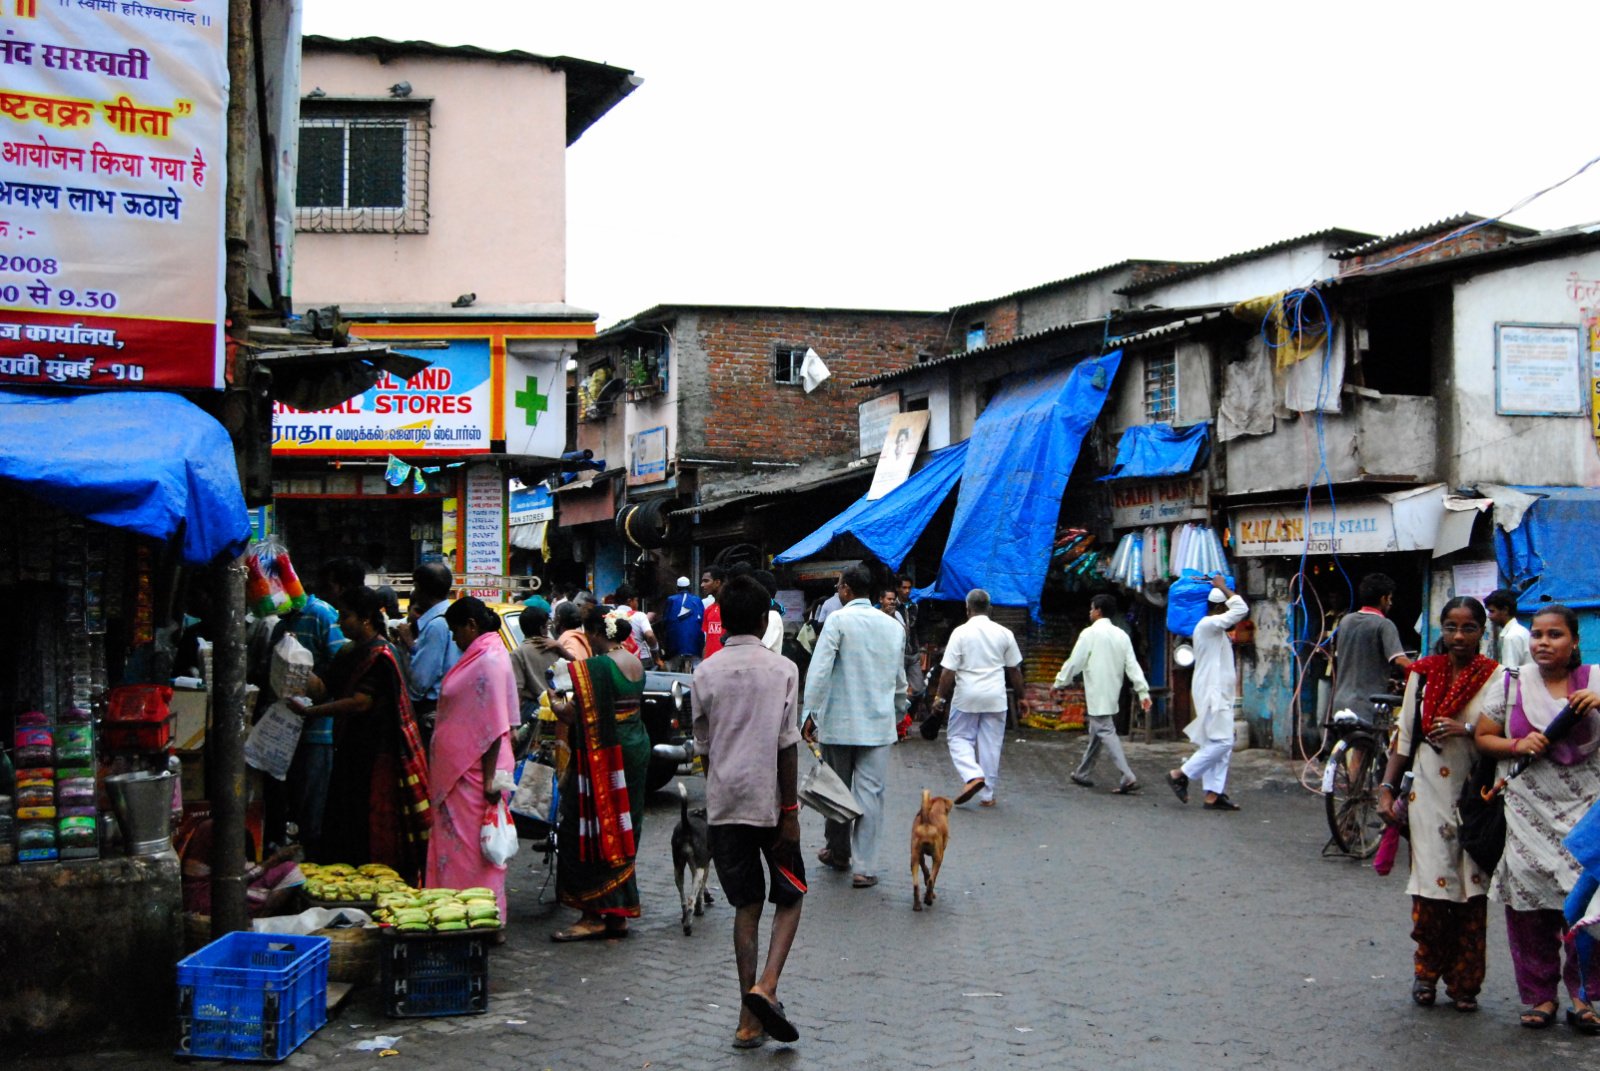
(1542, 803)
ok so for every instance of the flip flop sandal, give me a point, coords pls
(1537, 1018)
(1179, 786)
(1133, 788)
(825, 857)
(1222, 803)
(1466, 1005)
(754, 1041)
(971, 789)
(770, 1013)
(861, 881)
(568, 936)
(1583, 1020)
(1424, 994)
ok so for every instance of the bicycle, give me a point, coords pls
(1352, 775)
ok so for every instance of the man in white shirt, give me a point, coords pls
(1212, 691)
(1511, 639)
(1104, 655)
(981, 662)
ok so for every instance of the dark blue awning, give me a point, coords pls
(1151, 450)
(1552, 556)
(890, 526)
(147, 462)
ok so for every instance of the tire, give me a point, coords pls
(1351, 797)
(661, 772)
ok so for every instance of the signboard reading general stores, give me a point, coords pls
(1365, 526)
(1139, 503)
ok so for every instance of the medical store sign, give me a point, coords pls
(112, 139)
(1140, 503)
(1360, 526)
(472, 399)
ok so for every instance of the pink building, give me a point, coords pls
(431, 208)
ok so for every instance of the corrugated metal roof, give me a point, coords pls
(1337, 233)
(1448, 224)
(592, 88)
(1127, 317)
(656, 314)
(788, 484)
(1583, 235)
(1175, 265)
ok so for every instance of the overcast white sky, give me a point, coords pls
(916, 156)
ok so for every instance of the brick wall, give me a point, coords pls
(746, 416)
(1489, 237)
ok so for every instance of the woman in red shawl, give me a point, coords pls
(1449, 890)
(471, 743)
(377, 809)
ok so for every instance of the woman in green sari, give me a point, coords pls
(602, 794)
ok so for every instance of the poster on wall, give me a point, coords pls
(1538, 370)
(113, 134)
(900, 445)
(648, 462)
(874, 417)
(443, 410)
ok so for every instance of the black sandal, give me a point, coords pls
(1424, 993)
(1466, 1005)
(1583, 1020)
(1538, 1018)
(1179, 786)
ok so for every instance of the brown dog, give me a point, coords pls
(930, 832)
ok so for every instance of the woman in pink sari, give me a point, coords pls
(471, 742)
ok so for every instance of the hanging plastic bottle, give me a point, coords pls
(1136, 564)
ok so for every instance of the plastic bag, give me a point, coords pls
(291, 668)
(498, 835)
(536, 792)
(1186, 601)
(271, 744)
(272, 586)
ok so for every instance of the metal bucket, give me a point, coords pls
(143, 802)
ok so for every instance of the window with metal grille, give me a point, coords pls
(1161, 388)
(363, 166)
(786, 362)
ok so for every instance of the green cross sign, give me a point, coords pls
(530, 400)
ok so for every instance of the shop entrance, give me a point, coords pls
(390, 534)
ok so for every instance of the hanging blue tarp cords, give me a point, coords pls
(1022, 451)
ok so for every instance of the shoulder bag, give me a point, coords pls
(1482, 832)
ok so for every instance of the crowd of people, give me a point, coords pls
(408, 738)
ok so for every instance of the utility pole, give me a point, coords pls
(225, 741)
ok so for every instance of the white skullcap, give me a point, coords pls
(1216, 596)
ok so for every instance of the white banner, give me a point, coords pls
(113, 137)
(485, 524)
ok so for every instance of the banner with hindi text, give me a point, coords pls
(113, 137)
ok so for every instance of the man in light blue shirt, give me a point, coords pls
(433, 651)
(855, 694)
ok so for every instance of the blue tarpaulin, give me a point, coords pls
(890, 526)
(1553, 555)
(1021, 453)
(147, 462)
(1150, 450)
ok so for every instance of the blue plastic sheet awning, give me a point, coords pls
(1552, 556)
(1019, 458)
(890, 526)
(1151, 450)
(147, 462)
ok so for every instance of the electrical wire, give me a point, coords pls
(1469, 228)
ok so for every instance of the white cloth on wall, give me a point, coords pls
(1247, 401)
(1302, 381)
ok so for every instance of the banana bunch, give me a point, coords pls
(339, 882)
(439, 910)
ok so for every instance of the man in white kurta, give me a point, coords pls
(1212, 692)
(981, 662)
(1104, 655)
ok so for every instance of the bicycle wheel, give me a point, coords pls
(1351, 795)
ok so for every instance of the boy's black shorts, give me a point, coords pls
(737, 852)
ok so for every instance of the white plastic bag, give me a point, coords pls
(271, 744)
(291, 668)
(498, 836)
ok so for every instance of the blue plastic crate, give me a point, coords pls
(433, 974)
(252, 996)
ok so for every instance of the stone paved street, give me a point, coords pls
(1074, 930)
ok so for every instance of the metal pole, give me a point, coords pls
(225, 752)
(225, 741)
